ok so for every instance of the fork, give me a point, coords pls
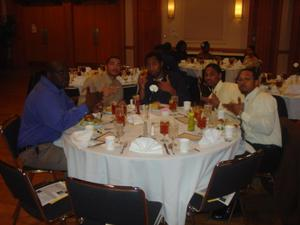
(123, 148)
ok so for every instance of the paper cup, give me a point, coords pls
(110, 142)
(184, 145)
(186, 105)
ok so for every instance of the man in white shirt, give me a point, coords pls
(221, 92)
(260, 120)
(106, 82)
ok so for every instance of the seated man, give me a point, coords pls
(106, 83)
(167, 83)
(221, 92)
(204, 51)
(260, 120)
(48, 112)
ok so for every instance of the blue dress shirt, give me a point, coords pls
(48, 111)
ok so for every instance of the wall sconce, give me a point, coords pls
(171, 9)
(238, 9)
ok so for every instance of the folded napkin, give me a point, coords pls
(146, 145)
(211, 136)
(82, 138)
(135, 119)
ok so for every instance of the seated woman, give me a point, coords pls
(204, 52)
(159, 85)
(251, 59)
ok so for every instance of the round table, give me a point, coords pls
(170, 179)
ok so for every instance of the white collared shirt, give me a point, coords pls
(260, 119)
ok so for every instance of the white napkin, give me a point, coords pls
(135, 119)
(211, 136)
(146, 145)
(82, 138)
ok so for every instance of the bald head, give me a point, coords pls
(58, 74)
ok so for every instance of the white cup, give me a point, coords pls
(110, 142)
(186, 105)
(184, 145)
(229, 132)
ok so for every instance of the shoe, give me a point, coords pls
(224, 212)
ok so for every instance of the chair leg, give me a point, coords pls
(232, 210)
(16, 213)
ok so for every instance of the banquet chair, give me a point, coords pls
(101, 204)
(228, 177)
(281, 106)
(10, 130)
(22, 189)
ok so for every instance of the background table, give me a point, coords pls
(170, 179)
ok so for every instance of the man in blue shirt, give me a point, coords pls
(48, 112)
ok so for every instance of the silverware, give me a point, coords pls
(123, 148)
(100, 143)
(166, 147)
(101, 135)
(196, 149)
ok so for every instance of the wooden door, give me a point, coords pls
(110, 24)
(264, 30)
(85, 36)
(33, 22)
(55, 33)
(147, 27)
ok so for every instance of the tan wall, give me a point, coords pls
(210, 20)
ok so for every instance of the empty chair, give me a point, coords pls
(100, 204)
(20, 186)
(228, 177)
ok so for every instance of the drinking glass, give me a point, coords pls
(173, 133)
(119, 131)
(207, 110)
(173, 103)
(164, 129)
(119, 115)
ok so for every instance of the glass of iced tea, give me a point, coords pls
(164, 129)
(120, 115)
(173, 103)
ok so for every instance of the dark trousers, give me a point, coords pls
(271, 158)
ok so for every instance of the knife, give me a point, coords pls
(166, 149)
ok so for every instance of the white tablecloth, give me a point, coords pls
(195, 70)
(293, 106)
(170, 179)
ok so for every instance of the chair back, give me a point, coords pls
(10, 130)
(21, 188)
(232, 175)
(281, 106)
(103, 204)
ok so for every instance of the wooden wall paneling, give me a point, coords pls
(68, 24)
(148, 27)
(55, 36)
(111, 24)
(84, 25)
(264, 28)
(295, 35)
(33, 22)
(111, 33)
